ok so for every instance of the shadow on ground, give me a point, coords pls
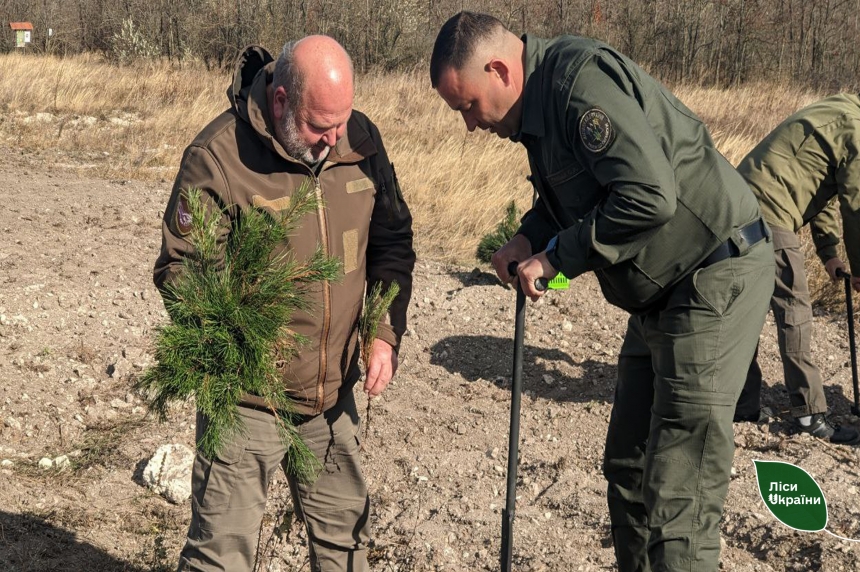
(490, 359)
(775, 396)
(29, 543)
(477, 277)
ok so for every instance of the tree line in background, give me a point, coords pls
(713, 42)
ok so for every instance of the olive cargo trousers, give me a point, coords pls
(670, 442)
(229, 495)
(792, 311)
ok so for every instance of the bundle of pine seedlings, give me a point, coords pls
(229, 334)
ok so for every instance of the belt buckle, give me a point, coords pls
(739, 239)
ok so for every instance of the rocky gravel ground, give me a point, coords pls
(77, 309)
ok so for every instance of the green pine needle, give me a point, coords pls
(375, 308)
(504, 231)
(231, 308)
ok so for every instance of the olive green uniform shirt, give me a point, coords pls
(808, 168)
(628, 177)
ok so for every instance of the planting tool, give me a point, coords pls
(514, 435)
(855, 408)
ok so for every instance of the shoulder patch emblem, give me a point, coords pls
(183, 215)
(595, 130)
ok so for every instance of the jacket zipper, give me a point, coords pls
(323, 223)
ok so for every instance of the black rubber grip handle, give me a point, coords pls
(540, 283)
(839, 273)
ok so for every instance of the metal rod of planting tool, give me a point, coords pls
(514, 434)
(855, 409)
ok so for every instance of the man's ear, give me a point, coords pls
(279, 103)
(500, 68)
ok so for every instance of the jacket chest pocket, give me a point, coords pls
(576, 191)
(359, 185)
(349, 216)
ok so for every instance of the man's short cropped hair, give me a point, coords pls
(286, 75)
(457, 40)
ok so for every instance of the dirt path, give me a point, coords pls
(76, 311)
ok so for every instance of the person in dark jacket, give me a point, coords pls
(292, 120)
(633, 189)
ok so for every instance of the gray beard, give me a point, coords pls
(293, 144)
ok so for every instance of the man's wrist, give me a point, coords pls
(551, 253)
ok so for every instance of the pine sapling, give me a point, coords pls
(375, 308)
(504, 231)
(231, 307)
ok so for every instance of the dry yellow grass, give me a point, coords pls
(112, 122)
(738, 118)
(457, 183)
(134, 122)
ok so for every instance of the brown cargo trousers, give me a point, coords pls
(792, 310)
(670, 441)
(229, 495)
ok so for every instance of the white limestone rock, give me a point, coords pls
(168, 472)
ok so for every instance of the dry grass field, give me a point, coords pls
(133, 123)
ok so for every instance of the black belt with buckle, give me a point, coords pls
(751, 234)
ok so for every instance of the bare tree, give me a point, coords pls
(721, 42)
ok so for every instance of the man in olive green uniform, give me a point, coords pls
(631, 188)
(802, 173)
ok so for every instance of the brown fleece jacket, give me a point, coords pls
(238, 164)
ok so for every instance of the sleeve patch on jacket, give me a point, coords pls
(595, 130)
(350, 251)
(359, 185)
(183, 215)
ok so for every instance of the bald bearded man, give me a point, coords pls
(290, 121)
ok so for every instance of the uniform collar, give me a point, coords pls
(532, 115)
(354, 146)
